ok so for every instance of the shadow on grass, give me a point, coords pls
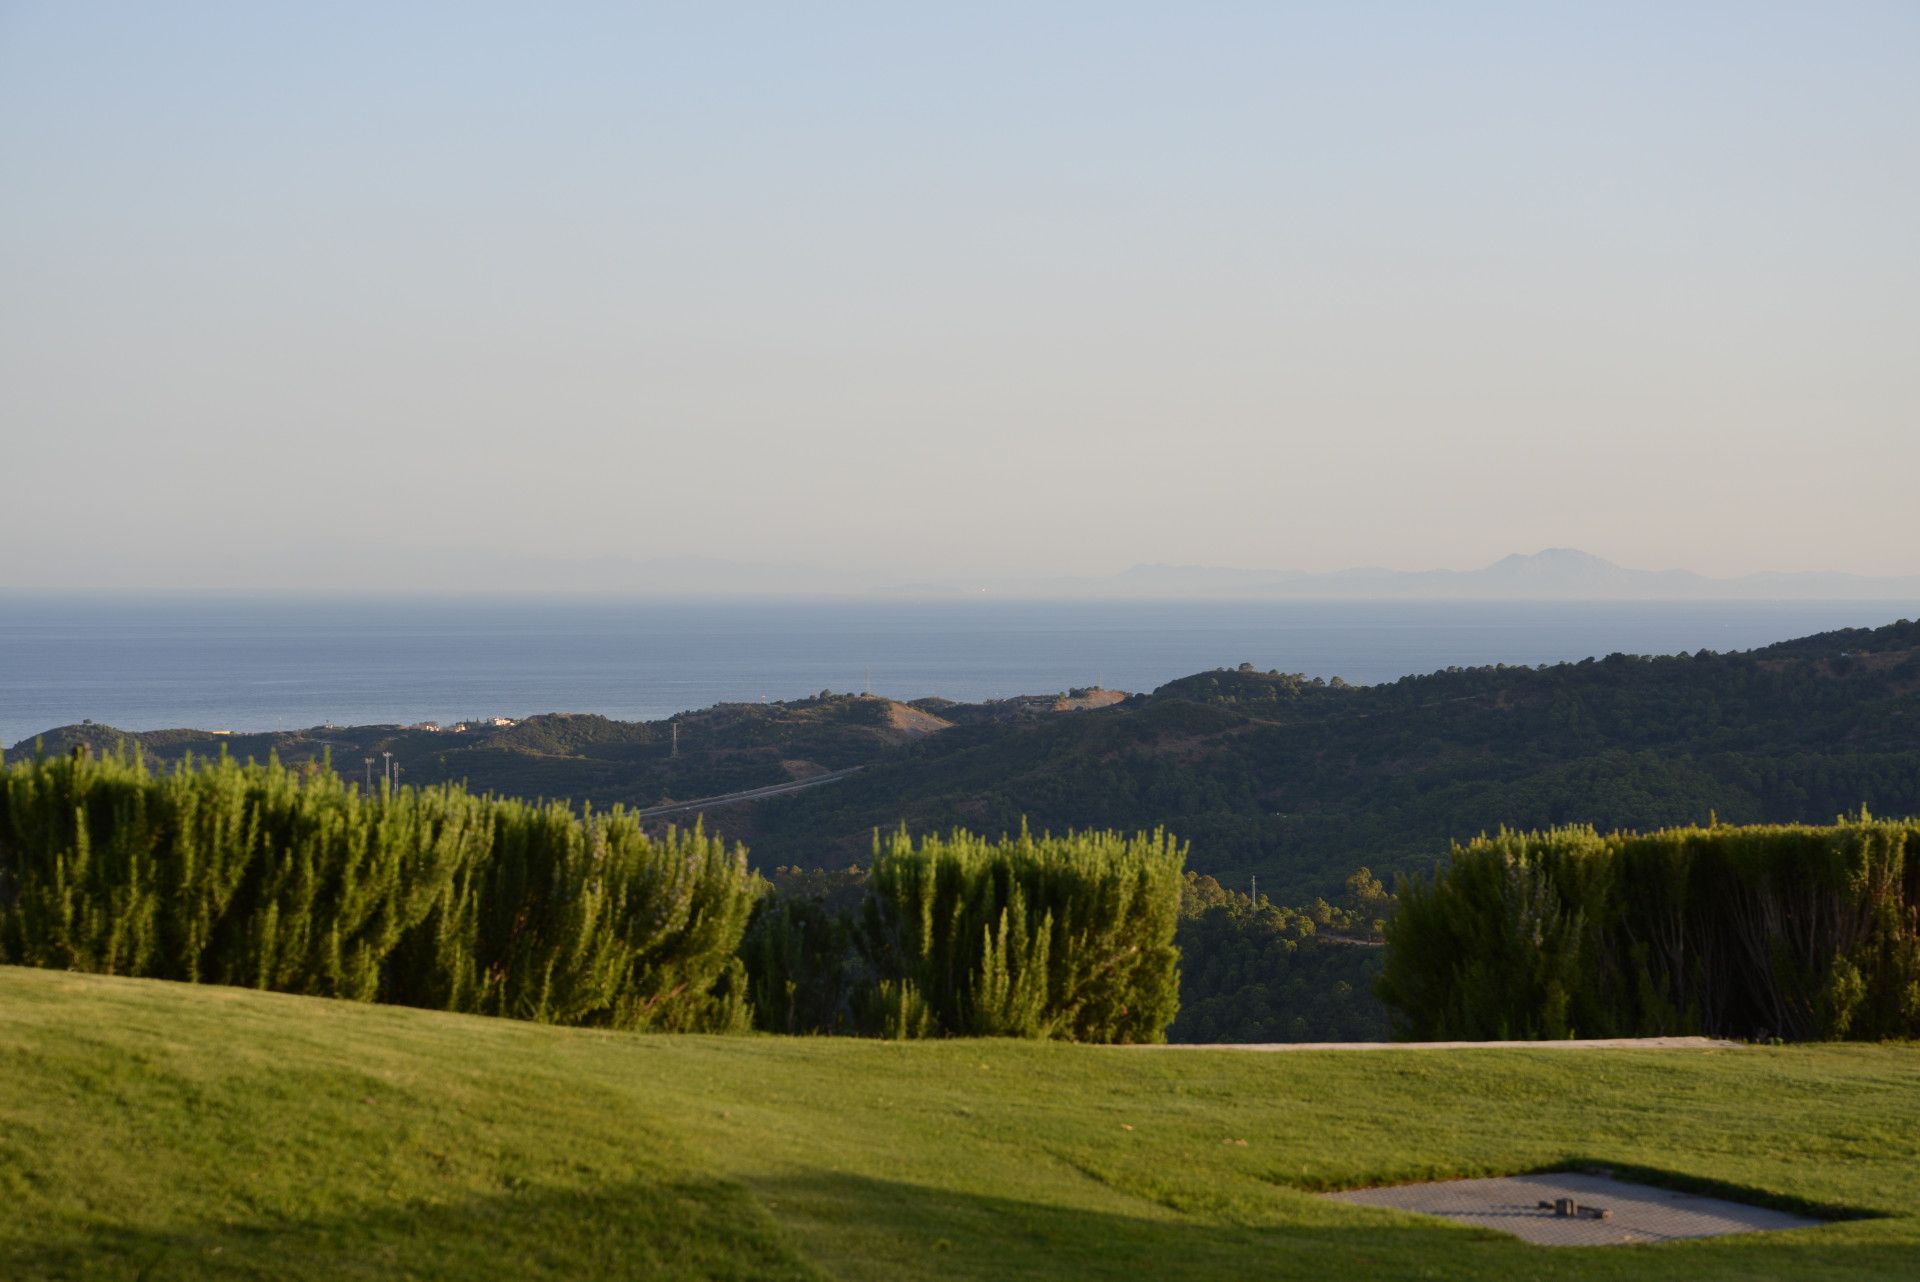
(644, 1229)
(933, 1233)
(857, 1227)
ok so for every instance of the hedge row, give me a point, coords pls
(1797, 932)
(266, 877)
(293, 880)
(1043, 937)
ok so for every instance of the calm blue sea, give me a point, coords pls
(284, 663)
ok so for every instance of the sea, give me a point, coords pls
(283, 662)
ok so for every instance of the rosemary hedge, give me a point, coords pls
(963, 936)
(262, 876)
(1797, 932)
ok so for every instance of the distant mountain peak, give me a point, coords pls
(1555, 573)
(1555, 556)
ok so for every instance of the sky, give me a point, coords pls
(460, 295)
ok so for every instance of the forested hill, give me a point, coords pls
(1292, 779)
(1300, 782)
(581, 756)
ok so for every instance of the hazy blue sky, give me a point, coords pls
(321, 294)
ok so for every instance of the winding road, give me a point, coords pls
(749, 794)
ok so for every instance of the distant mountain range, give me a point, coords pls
(1553, 574)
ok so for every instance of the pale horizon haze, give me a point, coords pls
(419, 295)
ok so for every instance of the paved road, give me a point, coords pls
(1568, 1044)
(750, 794)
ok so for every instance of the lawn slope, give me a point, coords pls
(162, 1131)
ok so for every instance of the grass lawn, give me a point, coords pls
(157, 1131)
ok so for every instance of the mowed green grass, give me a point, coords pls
(159, 1131)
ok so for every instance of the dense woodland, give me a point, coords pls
(1300, 782)
(1258, 972)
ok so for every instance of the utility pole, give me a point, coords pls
(369, 761)
(386, 770)
(676, 739)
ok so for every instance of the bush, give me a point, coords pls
(261, 876)
(1064, 937)
(1799, 932)
(799, 956)
(1049, 937)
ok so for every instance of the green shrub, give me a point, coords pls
(261, 876)
(1064, 937)
(961, 936)
(1799, 932)
(803, 974)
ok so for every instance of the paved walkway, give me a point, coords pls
(1565, 1044)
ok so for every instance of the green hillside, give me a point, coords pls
(1294, 780)
(1300, 782)
(579, 756)
(163, 1131)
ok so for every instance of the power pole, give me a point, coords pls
(676, 739)
(369, 761)
(386, 770)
